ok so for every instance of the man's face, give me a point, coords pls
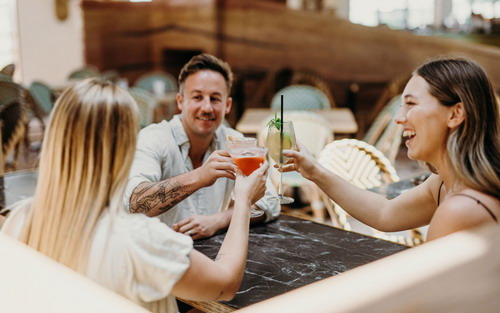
(203, 103)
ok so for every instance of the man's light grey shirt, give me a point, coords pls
(162, 153)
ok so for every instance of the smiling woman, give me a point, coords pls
(451, 122)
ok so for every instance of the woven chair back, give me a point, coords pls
(148, 81)
(8, 70)
(5, 78)
(384, 134)
(366, 167)
(300, 97)
(14, 119)
(84, 72)
(43, 96)
(146, 103)
(358, 162)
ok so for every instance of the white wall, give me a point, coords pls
(49, 49)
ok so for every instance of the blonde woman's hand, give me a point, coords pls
(251, 187)
(300, 160)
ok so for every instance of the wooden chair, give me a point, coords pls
(365, 167)
(300, 97)
(146, 102)
(384, 133)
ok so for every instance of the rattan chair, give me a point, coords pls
(148, 81)
(8, 70)
(300, 97)
(43, 96)
(10, 91)
(84, 72)
(314, 132)
(111, 75)
(384, 133)
(276, 80)
(365, 167)
(5, 78)
(14, 120)
(146, 103)
(307, 77)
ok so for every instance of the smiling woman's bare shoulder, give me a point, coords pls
(462, 211)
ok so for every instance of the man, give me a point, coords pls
(181, 172)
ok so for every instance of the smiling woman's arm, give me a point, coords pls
(413, 208)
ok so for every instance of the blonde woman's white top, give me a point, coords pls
(134, 255)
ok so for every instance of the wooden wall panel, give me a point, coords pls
(256, 37)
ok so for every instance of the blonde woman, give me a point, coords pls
(76, 216)
(451, 122)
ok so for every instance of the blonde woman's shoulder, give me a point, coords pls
(16, 218)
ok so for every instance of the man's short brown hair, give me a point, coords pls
(202, 62)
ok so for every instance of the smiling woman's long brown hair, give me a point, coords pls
(474, 147)
(86, 155)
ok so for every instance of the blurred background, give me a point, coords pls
(358, 47)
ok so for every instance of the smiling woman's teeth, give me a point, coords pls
(409, 133)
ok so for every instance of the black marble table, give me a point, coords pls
(283, 255)
(290, 253)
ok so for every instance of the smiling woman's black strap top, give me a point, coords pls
(481, 204)
(471, 197)
(439, 192)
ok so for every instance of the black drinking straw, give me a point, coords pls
(281, 132)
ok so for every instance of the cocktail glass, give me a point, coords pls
(276, 144)
(248, 157)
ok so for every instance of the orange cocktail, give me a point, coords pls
(245, 153)
(248, 164)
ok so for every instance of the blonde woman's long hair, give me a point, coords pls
(86, 155)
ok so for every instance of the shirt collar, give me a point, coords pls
(181, 137)
(178, 130)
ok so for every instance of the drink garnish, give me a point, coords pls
(275, 122)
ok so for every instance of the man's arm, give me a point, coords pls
(154, 198)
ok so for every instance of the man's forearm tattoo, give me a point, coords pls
(159, 196)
